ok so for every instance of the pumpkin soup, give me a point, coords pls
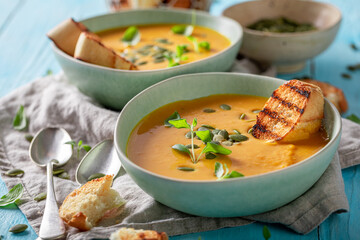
(229, 118)
(164, 45)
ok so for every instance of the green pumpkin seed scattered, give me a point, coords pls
(29, 137)
(195, 146)
(250, 131)
(238, 137)
(208, 127)
(210, 155)
(142, 63)
(40, 196)
(159, 60)
(227, 143)
(186, 169)
(18, 228)
(218, 138)
(95, 176)
(209, 110)
(58, 171)
(224, 133)
(216, 131)
(236, 131)
(203, 129)
(225, 107)
(63, 175)
(188, 135)
(242, 116)
(14, 172)
(250, 120)
(256, 110)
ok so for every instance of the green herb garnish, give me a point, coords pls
(266, 233)
(49, 72)
(183, 29)
(204, 136)
(280, 25)
(222, 172)
(131, 36)
(174, 116)
(20, 121)
(354, 118)
(79, 146)
(12, 196)
(175, 58)
(203, 45)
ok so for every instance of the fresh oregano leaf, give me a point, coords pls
(72, 143)
(131, 36)
(181, 123)
(354, 118)
(204, 136)
(219, 170)
(13, 195)
(233, 174)
(86, 147)
(266, 233)
(20, 121)
(194, 42)
(205, 45)
(40, 196)
(181, 148)
(214, 148)
(182, 29)
(194, 123)
(174, 116)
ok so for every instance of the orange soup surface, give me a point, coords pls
(150, 143)
(157, 39)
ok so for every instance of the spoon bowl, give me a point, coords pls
(102, 158)
(48, 148)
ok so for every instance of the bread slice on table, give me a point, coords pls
(333, 94)
(66, 34)
(87, 205)
(90, 49)
(132, 234)
(293, 112)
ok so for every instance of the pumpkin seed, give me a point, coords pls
(14, 172)
(58, 171)
(216, 131)
(242, 116)
(163, 41)
(159, 60)
(208, 126)
(203, 129)
(215, 142)
(236, 131)
(40, 196)
(250, 120)
(18, 228)
(227, 143)
(142, 63)
(250, 131)
(218, 138)
(95, 176)
(346, 76)
(29, 137)
(210, 155)
(188, 135)
(144, 53)
(146, 47)
(209, 110)
(256, 110)
(195, 146)
(63, 175)
(354, 47)
(186, 169)
(238, 137)
(225, 107)
(224, 133)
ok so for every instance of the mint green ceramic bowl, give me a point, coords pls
(113, 88)
(232, 197)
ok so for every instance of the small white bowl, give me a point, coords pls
(288, 51)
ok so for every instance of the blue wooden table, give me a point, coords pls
(25, 54)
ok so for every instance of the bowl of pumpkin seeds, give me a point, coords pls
(285, 32)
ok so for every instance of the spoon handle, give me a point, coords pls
(52, 225)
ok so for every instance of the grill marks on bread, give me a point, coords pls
(290, 106)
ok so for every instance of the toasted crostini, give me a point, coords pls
(293, 112)
(91, 50)
(87, 205)
(132, 234)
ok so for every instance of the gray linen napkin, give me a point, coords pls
(50, 101)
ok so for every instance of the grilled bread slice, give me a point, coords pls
(293, 112)
(87, 205)
(66, 34)
(333, 94)
(132, 234)
(90, 49)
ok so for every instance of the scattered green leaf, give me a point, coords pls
(180, 123)
(131, 36)
(233, 174)
(40, 196)
(194, 42)
(181, 148)
(18, 228)
(354, 118)
(266, 233)
(204, 136)
(20, 121)
(220, 173)
(49, 72)
(219, 170)
(204, 45)
(183, 29)
(13, 195)
(95, 176)
(29, 137)
(214, 148)
(79, 146)
(14, 172)
(174, 116)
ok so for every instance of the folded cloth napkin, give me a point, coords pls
(51, 101)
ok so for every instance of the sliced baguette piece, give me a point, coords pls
(90, 49)
(132, 234)
(333, 94)
(87, 205)
(66, 34)
(293, 112)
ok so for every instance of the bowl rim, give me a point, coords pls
(295, 34)
(238, 40)
(123, 156)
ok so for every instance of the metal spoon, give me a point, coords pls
(48, 148)
(102, 158)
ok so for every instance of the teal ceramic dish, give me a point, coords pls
(234, 197)
(113, 88)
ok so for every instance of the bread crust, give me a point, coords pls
(293, 112)
(133, 234)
